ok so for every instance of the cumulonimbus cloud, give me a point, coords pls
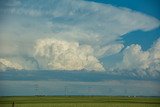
(73, 35)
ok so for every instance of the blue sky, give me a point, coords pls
(150, 7)
(80, 42)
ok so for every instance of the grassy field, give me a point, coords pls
(79, 101)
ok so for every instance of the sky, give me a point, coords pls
(106, 46)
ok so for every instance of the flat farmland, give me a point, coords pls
(78, 101)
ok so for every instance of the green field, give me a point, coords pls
(79, 101)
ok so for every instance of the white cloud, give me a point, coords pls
(7, 64)
(83, 21)
(62, 55)
(96, 24)
(154, 58)
(134, 58)
(155, 50)
(107, 50)
(87, 29)
(137, 62)
(18, 63)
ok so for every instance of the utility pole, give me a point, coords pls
(65, 89)
(36, 89)
(125, 91)
(110, 91)
(89, 91)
